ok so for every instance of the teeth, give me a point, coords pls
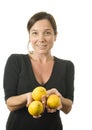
(42, 45)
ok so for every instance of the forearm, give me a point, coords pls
(66, 105)
(16, 102)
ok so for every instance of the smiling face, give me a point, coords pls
(42, 36)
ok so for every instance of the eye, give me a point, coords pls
(47, 33)
(34, 33)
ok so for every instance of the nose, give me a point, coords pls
(41, 38)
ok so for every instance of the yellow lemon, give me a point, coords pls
(35, 108)
(53, 101)
(38, 92)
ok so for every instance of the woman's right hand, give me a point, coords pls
(29, 98)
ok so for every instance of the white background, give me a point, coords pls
(74, 21)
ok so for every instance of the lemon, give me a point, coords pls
(38, 92)
(53, 101)
(35, 108)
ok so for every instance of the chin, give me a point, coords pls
(42, 51)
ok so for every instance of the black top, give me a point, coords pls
(19, 79)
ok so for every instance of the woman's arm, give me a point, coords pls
(66, 104)
(16, 102)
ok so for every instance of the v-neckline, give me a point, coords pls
(34, 77)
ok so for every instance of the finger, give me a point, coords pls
(37, 116)
(59, 107)
(29, 100)
(44, 101)
(53, 91)
(52, 110)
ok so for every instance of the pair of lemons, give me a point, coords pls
(36, 108)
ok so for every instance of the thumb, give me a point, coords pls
(44, 101)
(29, 100)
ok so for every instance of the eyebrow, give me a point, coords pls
(45, 29)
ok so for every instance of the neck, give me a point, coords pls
(42, 58)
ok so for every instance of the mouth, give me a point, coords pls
(43, 46)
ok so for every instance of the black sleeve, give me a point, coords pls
(70, 80)
(11, 74)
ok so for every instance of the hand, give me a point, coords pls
(29, 98)
(44, 106)
(53, 91)
(54, 110)
(50, 92)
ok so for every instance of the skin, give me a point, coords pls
(42, 38)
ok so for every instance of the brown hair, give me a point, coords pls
(40, 16)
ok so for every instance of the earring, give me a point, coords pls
(29, 47)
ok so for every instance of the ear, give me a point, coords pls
(55, 36)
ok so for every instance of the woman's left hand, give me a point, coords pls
(54, 91)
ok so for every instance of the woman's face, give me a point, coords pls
(42, 36)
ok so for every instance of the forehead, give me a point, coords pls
(42, 24)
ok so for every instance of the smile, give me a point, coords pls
(42, 46)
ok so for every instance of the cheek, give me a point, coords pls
(33, 40)
(51, 40)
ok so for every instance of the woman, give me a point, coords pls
(24, 72)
